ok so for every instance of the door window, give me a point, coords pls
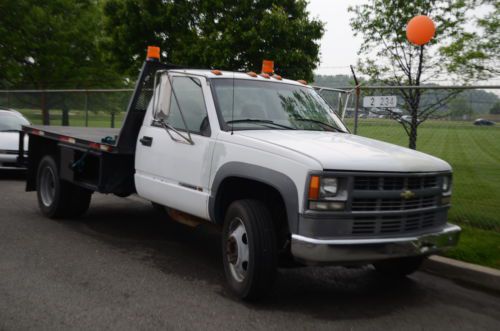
(190, 99)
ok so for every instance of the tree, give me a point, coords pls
(52, 44)
(495, 110)
(223, 34)
(388, 58)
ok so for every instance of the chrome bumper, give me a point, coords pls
(338, 251)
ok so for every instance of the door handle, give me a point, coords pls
(146, 141)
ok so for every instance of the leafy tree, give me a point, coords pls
(459, 108)
(387, 56)
(495, 110)
(224, 34)
(52, 44)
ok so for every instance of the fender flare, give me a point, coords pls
(281, 182)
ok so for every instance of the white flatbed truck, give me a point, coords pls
(264, 158)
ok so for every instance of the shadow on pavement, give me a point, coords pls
(12, 174)
(194, 253)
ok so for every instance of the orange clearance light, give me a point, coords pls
(153, 52)
(252, 74)
(265, 75)
(267, 67)
(216, 72)
(314, 188)
(278, 77)
(302, 81)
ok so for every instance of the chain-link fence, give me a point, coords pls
(94, 108)
(448, 130)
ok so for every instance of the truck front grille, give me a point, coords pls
(369, 183)
(382, 204)
(395, 223)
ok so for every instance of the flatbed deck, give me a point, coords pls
(103, 139)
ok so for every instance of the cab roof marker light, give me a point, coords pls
(265, 75)
(302, 81)
(267, 67)
(278, 77)
(216, 72)
(252, 74)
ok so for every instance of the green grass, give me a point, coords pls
(478, 246)
(473, 152)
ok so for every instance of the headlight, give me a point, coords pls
(327, 193)
(446, 184)
(329, 187)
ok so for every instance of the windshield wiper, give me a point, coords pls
(298, 118)
(256, 120)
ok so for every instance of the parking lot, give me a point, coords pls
(122, 266)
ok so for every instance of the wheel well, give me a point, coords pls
(237, 188)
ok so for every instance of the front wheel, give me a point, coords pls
(400, 267)
(249, 249)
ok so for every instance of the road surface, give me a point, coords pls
(124, 267)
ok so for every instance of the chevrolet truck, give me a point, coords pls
(264, 158)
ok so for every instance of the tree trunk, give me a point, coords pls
(113, 119)
(45, 109)
(65, 115)
(413, 128)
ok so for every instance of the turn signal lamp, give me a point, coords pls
(314, 188)
(267, 67)
(153, 52)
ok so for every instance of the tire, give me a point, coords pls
(56, 197)
(399, 268)
(249, 249)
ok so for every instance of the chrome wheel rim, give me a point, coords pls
(47, 186)
(237, 252)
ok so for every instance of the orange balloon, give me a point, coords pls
(420, 30)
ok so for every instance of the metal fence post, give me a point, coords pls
(86, 109)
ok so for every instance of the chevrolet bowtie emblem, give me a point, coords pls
(407, 194)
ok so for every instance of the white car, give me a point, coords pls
(10, 127)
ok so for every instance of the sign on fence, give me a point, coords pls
(384, 101)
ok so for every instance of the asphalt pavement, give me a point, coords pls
(124, 267)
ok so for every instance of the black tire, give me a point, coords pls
(56, 197)
(400, 267)
(257, 276)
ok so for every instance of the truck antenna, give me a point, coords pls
(232, 110)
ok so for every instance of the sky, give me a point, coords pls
(339, 46)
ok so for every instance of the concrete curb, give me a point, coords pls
(462, 271)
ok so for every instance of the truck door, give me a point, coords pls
(170, 170)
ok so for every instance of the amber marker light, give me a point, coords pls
(314, 188)
(153, 52)
(302, 81)
(267, 67)
(252, 74)
(216, 72)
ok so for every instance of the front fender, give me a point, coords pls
(281, 182)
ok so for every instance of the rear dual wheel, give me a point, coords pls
(56, 197)
(249, 249)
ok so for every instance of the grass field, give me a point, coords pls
(473, 152)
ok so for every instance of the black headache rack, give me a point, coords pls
(96, 158)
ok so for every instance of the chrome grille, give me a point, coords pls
(385, 204)
(369, 183)
(394, 224)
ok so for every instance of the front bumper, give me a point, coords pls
(346, 251)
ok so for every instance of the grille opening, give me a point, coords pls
(366, 183)
(376, 204)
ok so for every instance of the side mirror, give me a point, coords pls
(162, 96)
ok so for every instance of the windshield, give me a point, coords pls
(11, 122)
(270, 105)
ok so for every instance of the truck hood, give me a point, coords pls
(341, 151)
(10, 141)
